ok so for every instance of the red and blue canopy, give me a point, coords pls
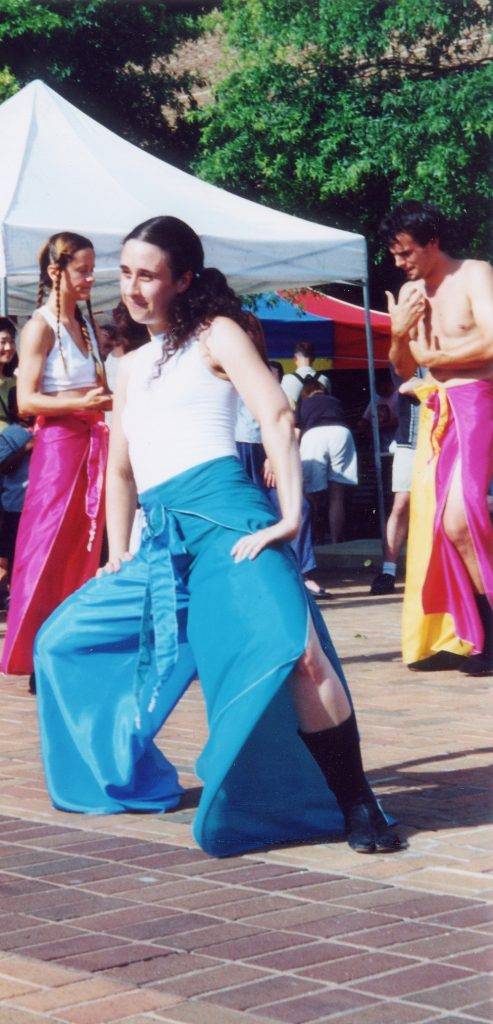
(334, 327)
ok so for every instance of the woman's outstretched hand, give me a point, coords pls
(114, 564)
(97, 399)
(251, 545)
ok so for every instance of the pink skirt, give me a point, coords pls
(61, 529)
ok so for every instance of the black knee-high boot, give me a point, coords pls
(482, 664)
(338, 755)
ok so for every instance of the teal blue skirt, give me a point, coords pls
(113, 660)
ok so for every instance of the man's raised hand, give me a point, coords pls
(407, 311)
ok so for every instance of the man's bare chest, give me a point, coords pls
(448, 316)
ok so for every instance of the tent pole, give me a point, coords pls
(4, 306)
(374, 414)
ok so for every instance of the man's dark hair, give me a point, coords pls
(422, 221)
(306, 349)
(6, 324)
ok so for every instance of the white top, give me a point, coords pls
(177, 415)
(111, 365)
(292, 387)
(79, 370)
(247, 429)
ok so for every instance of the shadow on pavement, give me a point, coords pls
(459, 798)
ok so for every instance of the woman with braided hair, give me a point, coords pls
(214, 591)
(61, 382)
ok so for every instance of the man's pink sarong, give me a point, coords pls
(440, 611)
(61, 529)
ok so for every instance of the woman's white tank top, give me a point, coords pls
(73, 369)
(177, 415)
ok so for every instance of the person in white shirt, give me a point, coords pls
(292, 383)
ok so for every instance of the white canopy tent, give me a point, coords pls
(65, 171)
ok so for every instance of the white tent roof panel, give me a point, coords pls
(68, 172)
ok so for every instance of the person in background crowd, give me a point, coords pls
(292, 383)
(8, 364)
(214, 591)
(387, 413)
(253, 459)
(61, 382)
(443, 322)
(302, 544)
(328, 458)
(16, 443)
(403, 448)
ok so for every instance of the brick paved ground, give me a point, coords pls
(123, 919)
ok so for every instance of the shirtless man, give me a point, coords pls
(443, 321)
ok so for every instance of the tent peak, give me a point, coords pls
(37, 85)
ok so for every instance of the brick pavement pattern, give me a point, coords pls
(121, 919)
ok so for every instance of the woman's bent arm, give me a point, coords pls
(232, 351)
(121, 492)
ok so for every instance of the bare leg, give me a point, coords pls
(457, 529)
(397, 526)
(336, 511)
(320, 698)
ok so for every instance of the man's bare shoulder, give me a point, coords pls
(477, 270)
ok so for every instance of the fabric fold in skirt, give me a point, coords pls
(440, 612)
(61, 527)
(114, 659)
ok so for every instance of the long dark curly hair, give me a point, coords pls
(208, 294)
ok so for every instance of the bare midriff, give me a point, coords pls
(71, 392)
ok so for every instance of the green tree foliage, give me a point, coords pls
(335, 110)
(8, 84)
(106, 57)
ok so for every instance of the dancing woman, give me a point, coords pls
(213, 591)
(60, 382)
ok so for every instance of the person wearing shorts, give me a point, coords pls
(328, 458)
